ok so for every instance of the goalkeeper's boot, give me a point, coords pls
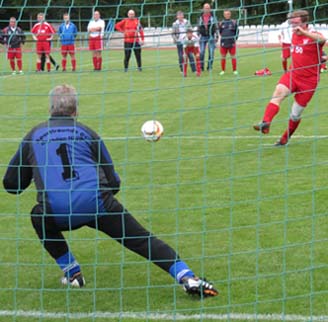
(198, 286)
(77, 280)
(264, 127)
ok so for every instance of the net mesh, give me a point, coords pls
(249, 217)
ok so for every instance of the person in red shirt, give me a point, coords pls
(302, 77)
(42, 33)
(133, 38)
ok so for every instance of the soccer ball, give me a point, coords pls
(152, 130)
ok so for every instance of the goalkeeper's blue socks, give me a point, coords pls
(68, 264)
(180, 270)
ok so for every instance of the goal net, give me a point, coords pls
(248, 216)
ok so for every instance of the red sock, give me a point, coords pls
(64, 61)
(234, 64)
(292, 126)
(12, 64)
(99, 63)
(38, 66)
(284, 65)
(198, 67)
(73, 64)
(48, 67)
(19, 64)
(270, 112)
(94, 60)
(185, 65)
(223, 64)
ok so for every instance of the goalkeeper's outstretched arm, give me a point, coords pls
(19, 173)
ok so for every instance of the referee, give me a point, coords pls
(76, 183)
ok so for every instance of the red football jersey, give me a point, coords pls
(132, 30)
(43, 30)
(306, 55)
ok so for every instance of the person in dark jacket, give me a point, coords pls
(76, 184)
(228, 30)
(13, 38)
(207, 32)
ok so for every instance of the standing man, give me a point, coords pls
(179, 29)
(42, 33)
(191, 49)
(76, 183)
(228, 30)
(133, 38)
(96, 29)
(285, 39)
(207, 31)
(67, 33)
(13, 38)
(302, 77)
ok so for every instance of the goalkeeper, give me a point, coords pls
(76, 183)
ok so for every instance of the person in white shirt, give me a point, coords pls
(179, 29)
(285, 39)
(191, 48)
(96, 29)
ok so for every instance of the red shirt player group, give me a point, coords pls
(43, 33)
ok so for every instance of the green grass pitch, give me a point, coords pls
(250, 217)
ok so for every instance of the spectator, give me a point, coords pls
(13, 38)
(228, 29)
(285, 39)
(191, 48)
(96, 29)
(208, 33)
(133, 38)
(42, 33)
(67, 33)
(302, 77)
(76, 183)
(179, 29)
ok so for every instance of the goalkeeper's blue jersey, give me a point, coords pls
(72, 169)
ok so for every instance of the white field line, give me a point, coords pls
(196, 137)
(163, 316)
